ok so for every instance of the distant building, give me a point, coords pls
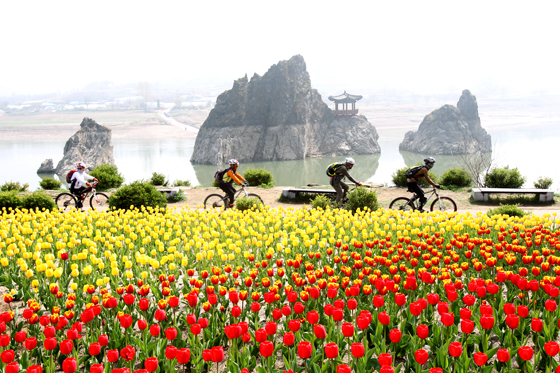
(345, 99)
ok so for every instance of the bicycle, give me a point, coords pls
(333, 197)
(217, 200)
(440, 203)
(64, 201)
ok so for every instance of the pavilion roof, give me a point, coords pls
(345, 97)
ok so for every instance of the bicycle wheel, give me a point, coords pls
(99, 201)
(65, 200)
(447, 204)
(214, 200)
(252, 195)
(401, 203)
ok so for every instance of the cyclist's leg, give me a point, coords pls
(419, 192)
(345, 188)
(80, 195)
(230, 191)
(339, 193)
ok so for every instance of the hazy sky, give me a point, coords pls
(423, 45)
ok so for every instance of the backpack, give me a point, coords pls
(69, 176)
(412, 171)
(219, 175)
(331, 170)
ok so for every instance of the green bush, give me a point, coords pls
(504, 178)
(178, 197)
(259, 176)
(182, 183)
(137, 194)
(50, 183)
(510, 210)
(215, 183)
(543, 183)
(108, 176)
(38, 200)
(457, 177)
(13, 186)
(360, 198)
(321, 201)
(158, 179)
(245, 203)
(9, 200)
(399, 177)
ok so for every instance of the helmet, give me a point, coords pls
(429, 162)
(350, 160)
(80, 165)
(233, 162)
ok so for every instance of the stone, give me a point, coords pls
(91, 145)
(450, 130)
(276, 117)
(47, 167)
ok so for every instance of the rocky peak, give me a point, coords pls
(468, 106)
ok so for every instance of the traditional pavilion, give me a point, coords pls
(345, 99)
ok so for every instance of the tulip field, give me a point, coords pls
(278, 290)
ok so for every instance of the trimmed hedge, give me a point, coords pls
(38, 200)
(50, 183)
(9, 200)
(457, 177)
(158, 179)
(321, 201)
(108, 176)
(510, 210)
(13, 186)
(137, 194)
(543, 183)
(361, 198)
(258, 176)
(504, 178)
(245, 203)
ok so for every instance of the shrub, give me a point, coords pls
(259, 176)
(137, 194)
(457, 177)
(245, 203)
(38, 200)
(182, 183)
(215, 183)
(360, 198)
(158, 179)
(9, 200)
(13, 186)
(108, 176)
(504, 178)
(177, 197)
(399, 178)
(321, 201)
(50, 183)
(266, 186)
(510, 210)
(543, 183)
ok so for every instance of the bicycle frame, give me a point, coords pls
(433, 191)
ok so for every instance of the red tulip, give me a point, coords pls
(480, 358)
(7, 356)
(266, 348)
(415, 308)
(34, 369)
(343, 369)
(386, 369)
(503, 355)
(20, 337)
(448, 319)
(384, 318)
(170, 333)
(467, 326)
(160, 315)
(523, 311)
(196, 329)
(255, 307)
(236, 311)
(358, 350)
(155, 330)
(525, 352)
(13, 368)
(50, 344)
(94, 349)
(320, 331)
(348, 329)
(509, 309)
(550, 305)
(512, 321)
(395, 335)
(144, 304)
(128, 299)
(305, 349)
(338, 315)
(487, 321)
(4, 340)
(260, 335)
(97, 368)
(294, 325)
(69, 365)
(536, 325)
(286, 310)
(433, 298)
(128, 353)
(207, 355)
(30, 343)
(217, 354)
(103, 340)
(435, 370)
(551, 348)
(312, 317)
(455, 349)
(151, 364)
(378, 301)
(421, 356)
(113, 355)
(422, 331)
(385, 359)
(170, 352)
(465, 314)
(352, 304)
(331, 350)
(400, 299)
(363, 322)
(289, 339)
(183, 355)
(271, 328)
(328, 309)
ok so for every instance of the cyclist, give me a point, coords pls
(78, 183)
(412, 182)
(339, 171)
(226, 178)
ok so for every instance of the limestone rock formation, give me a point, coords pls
(91, 145)
(47, 167)
(279, 117)
(450, 130)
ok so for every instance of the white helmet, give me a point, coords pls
(233, 161)
(429, 162)
(350, 160)
(80, 165)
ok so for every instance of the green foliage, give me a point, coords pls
(504, 178)
(137, 194)
(182, 183)
(178, 197)
(50, 183)
(38, 200)
(215, 183)
(543, 182)
(361, 198)
(457, 177)
(245, 203)
(510, 210)
(321, 201)
(399, 177)
(300, 198)
(9, 200)
(259, 176)
(108, 176)
(13, 186)
(158, 179)
(266, 186)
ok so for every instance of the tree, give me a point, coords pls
(144, 90)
